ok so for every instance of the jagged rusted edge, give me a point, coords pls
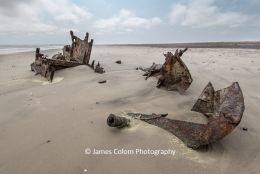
(205, 102)
(47, 67)
(186, 81)
(160, 71)
(228, 111)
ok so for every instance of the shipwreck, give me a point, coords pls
(173, 74)
(78, 53)
(223, 108)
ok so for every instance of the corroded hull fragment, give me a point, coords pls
(78, 53)
(79, 50)
(173, 74)
(224, 108)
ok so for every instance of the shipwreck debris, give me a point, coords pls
(102, 81)
(224, 109)
(116, 121)
(99, 69)
(173, 74)
(92, 64)
(78, 53)
(48, 141)
(154, 70)
(118, 62)
(245, 129)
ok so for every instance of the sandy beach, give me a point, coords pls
(46, 127)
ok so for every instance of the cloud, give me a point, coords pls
(37, 16)
(204, 13)
(65, 10)
(20, 17)
(125, 21)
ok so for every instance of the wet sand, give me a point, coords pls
(46, 127)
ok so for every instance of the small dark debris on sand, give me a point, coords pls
(118, 62)
(102, 81)
(48, 141)
(99, 69)
(245, 129)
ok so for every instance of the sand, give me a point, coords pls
(46, 127)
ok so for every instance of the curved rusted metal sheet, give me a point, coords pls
(173, 74)
(224, 108)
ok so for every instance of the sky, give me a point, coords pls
(129, 21)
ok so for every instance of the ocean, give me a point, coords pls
(9, 49)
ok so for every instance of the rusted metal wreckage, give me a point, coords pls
(224, 109)
(78, 53)
(173, 74)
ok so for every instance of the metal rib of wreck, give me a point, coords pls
(173, 74)
(78, 53)
(224, 108)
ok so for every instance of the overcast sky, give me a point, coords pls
(129, 21)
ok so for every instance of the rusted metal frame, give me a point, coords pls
(168, 74)
(77, 44)
(224, 108)
(174, 77)
(78, 53)
(89, 52)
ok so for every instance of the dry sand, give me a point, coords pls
(45, 127)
